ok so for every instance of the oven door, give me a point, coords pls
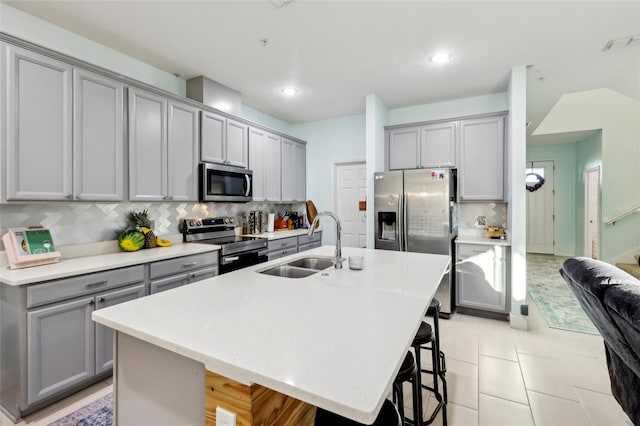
(225, 183)
(237, 261)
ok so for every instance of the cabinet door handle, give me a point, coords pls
(189, 264)
(98, 284)
(92, 302)
(101, 300)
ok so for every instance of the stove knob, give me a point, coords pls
(199, 223)
(191, 223)
(227, 221)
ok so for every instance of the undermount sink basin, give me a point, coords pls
(289, 271)
(299, 268)
(317, 263)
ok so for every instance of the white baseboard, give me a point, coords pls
(627, 257)
(564, 253)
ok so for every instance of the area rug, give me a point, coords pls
(553, 297)
(98, 413)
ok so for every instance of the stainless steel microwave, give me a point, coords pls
(225, 183)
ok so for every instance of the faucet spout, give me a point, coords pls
(337, 261)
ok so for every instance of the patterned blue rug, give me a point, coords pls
(553, 297)
(98, 413)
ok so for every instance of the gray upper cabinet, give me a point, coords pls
(300, 170)
(147, 146)
(272, 168)
(163, 148)
(38, 109)
(212, 138)
(403, 148)
(264, 161)
(438, 145)
(237, 151)
(481, 159)
(224, 140)
(287, 175)
(182, 158)
(60, 341)
(294, 157)
(97, 137)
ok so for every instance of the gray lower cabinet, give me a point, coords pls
(38, 100)
(172, 273)
(282, 247)
(306, 242)
(481, 277)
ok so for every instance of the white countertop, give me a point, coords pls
(472, 239)
(276, 235)
(84, 265)
(334, 341)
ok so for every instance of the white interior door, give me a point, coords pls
(592, 221)
(541, 209)
(350, 192)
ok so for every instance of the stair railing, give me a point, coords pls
(629, 212)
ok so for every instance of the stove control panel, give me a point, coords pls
(207, 224)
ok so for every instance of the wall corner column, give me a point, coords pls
(517, 139)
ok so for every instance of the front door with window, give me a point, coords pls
(540, 207)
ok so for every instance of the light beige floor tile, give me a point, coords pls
(462, 381)
(546, 375)
(552, 411)
(602, 409)
(501, 378)
(533, 343)
(586, 372)
(463, 347)
(456, 415)
(500, 412)
(596, 345)
(567, 342)
(498, 345)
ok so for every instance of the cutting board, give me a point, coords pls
(312, 212)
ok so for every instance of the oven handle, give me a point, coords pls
(229, 259)
(263, 253)
(248, 181)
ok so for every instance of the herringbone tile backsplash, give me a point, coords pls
(78, 223)
(495, 214)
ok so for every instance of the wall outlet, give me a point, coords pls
(225, 417)
(481, 221)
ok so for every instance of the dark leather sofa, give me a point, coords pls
(611, 299)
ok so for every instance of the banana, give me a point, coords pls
(163, 243)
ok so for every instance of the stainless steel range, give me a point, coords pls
(237, 251)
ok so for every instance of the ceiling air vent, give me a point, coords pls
(281, 3)
(618, 42)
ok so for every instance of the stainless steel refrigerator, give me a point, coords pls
(415, 211)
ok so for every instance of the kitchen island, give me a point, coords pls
(335, 339)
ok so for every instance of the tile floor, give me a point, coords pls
(497, 376)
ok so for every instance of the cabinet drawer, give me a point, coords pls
(277, 254)
(183, 264)
(283, 243)
(168, 283)
(203, 274)
(467, 251)
(68, 288)
(306, 247)
(306, 239)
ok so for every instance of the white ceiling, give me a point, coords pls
(337, 52)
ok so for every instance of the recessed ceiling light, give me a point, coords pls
(289, 91)
(441, 58)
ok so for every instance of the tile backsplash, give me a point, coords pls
(79, 223)
(495, 214)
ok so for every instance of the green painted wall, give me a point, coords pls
(267, 120)
(588, 156)
(35, 30)
(564, 158)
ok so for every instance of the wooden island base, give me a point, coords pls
(254, 405)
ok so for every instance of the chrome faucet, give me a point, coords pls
(337, 261)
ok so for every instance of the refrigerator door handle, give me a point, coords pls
(405, 235)
(400, 227)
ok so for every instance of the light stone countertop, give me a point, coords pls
(472, 239)
(335, 339)
(276, 235)
(84, 265)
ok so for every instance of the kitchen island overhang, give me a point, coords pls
(335, 339)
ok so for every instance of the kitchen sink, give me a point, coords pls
(299, 268)
(289, 271)
(317, 263)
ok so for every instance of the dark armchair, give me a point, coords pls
(611, 299)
